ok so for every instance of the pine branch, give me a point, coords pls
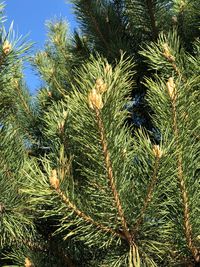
(152, 18)
(158, 154)
(170, 58)
(97, 28)
(55, 184)
(134, 258)
(35, 245)
(88, 9)
(184, 194)
(57, 85)
(19, 93)
(110, 175)
(2, 61)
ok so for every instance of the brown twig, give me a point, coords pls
(95, 23)
(26, 107)
(152, 19)
(85, 217)
(110, 172)
(135, 259)
(185, 199)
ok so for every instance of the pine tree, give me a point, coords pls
(77, 187)
(125, 25)
(16, 224)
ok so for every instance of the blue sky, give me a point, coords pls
(29, 17)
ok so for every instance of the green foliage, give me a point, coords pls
(79, 186)
(103, 26)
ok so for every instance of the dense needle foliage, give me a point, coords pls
(101, 167)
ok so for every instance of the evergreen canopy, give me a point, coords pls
(101, 167)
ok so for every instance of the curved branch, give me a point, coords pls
(134, 257)
(85, 217)
(111, 176)
(184, 194)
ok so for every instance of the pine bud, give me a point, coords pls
(95, 100)
(171, 88)
(167, 54)
(99, 82)
(15, 83)
(50, 71)
(57, 40)
(174, 19)
(54, 181)
(49, 93)
(61, 125)
(100, 86)
(107, 19)
(7, 47)
(166, 51)
(28, 263)
(157, 151)
(64, 114)
(124, 152)
(182, 4)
